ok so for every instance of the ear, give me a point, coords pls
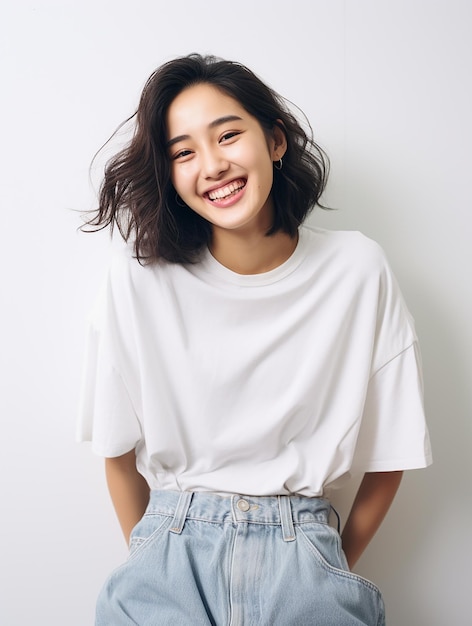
(279, 141)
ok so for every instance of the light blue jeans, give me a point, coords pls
(204, 559)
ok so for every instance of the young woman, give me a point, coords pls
(239, 364)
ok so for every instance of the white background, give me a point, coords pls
(387, 87)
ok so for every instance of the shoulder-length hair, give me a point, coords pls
(137, 195)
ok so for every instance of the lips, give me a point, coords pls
(226, 191)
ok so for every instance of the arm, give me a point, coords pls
(372, 501)
(129, 491)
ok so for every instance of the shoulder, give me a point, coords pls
(123, 264)
(125, 271)
(125, 283)
(346, 250)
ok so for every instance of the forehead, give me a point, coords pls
(199, 105)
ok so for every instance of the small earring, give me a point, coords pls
(179, 201)
(278, 164)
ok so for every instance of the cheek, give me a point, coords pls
(181, 178)
(261, 160)
(173, 176)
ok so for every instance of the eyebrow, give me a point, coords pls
(213, 124)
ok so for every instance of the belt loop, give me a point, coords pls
(288, 531)
(181, 511)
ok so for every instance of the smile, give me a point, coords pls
(227, 191)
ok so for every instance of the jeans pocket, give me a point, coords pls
(324, 543)
(358, 596)
(149, 527)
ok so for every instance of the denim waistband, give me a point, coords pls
(233, 508)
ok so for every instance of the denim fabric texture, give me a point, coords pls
(206, 559)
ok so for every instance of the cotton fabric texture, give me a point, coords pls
(278, 383)
(205, 560)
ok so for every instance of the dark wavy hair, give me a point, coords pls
(137, 195)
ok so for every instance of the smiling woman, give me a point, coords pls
(243, 366)
(222, 168)
(138, 193)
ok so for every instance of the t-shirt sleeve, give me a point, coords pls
(107, 416)
(393, 434)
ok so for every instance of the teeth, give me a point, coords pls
(224, 192)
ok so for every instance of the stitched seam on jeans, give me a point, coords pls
(336, 570)
(146, 540)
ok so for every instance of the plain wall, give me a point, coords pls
(387, 87)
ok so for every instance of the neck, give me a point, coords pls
(254, 254)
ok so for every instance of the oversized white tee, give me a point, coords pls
(275, 383)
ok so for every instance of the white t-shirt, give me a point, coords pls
(274, 383)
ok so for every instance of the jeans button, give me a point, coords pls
(243, 505)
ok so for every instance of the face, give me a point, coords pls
(222, 160)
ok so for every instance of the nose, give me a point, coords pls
(213, 164)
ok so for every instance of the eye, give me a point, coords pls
(229, 135)
(181, 155)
